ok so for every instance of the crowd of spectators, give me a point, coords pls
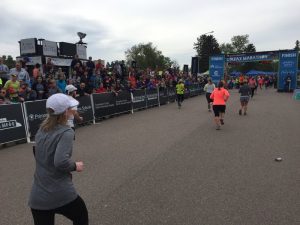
(18, 85)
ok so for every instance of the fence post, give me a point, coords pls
(25, 116)
(93, 108)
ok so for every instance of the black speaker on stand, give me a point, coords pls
(185, 68)
(195, 65)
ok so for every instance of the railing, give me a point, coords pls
(22, 120)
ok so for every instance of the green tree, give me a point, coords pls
(226, 48)
(205, 47)
(9, 61)
(239, 44)
(250, 48)
(147, 56)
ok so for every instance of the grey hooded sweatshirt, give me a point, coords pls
(52, 185)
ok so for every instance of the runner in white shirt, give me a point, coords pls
(71, 92)
(209, 88)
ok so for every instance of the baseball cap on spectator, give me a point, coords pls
(70, 88)
(14, 75)
(59, 103)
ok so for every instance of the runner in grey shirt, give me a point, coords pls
(53, 191)
(245, 91)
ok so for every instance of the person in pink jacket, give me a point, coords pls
(219, 96)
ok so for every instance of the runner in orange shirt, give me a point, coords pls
(219, 96)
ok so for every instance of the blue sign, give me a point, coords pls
(216, 68)
(287, 74)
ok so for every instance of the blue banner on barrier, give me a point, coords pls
(216, 68)
(288, 66)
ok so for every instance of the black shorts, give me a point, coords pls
(219, 109)
(209, 100)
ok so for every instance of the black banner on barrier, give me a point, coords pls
(36, 113)
(139, 99)
(12, 125)
(123, 102)
(104, 104)
(85, 109)
(171, 94)
(152, 97)
(163, 96)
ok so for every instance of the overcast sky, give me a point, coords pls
(172, 26)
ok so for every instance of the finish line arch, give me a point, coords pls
(287, 66)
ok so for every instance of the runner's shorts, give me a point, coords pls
(219, 109)
(244, 99)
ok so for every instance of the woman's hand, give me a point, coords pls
(79, 166)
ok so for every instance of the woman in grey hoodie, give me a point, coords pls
(53, 191)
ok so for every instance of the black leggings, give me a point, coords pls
(180, 98)
(75, 211)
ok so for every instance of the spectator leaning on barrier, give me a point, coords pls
(3, 98)
(4, 71)
(24, 92)
(12, 87)
(82, 90)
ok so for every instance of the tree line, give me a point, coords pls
(148, 56)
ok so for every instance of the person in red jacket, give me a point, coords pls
(219, 96)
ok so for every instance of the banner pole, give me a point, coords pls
(131, 102)
(24, 110)
(158, 97)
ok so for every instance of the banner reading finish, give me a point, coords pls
(287, 75)
(216, 68)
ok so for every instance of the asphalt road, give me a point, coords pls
(170, 166)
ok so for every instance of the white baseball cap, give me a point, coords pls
(59, 103)
(70, 88)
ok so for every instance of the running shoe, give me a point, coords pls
(240, 112)
(218, 127)
(245, 113)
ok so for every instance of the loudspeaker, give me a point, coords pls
(195, 65)
(185, 68)
(67, 49)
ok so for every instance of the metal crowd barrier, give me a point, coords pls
(21, 121)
